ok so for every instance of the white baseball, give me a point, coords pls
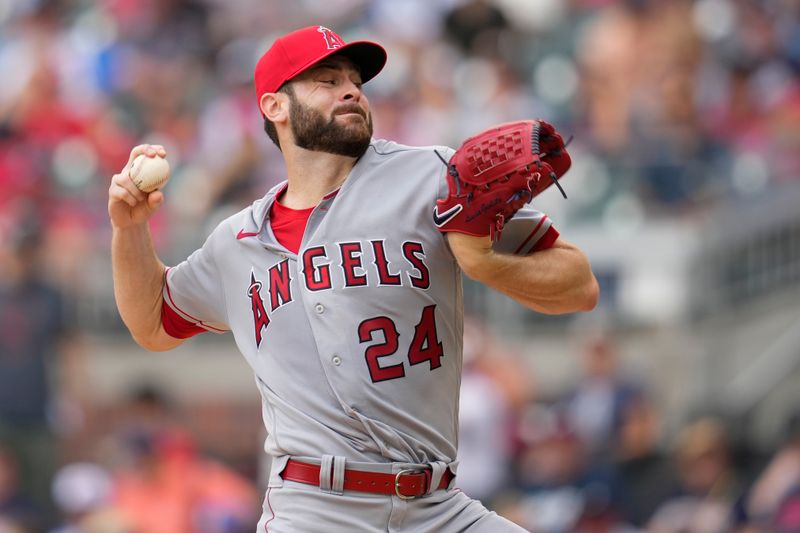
(149, 173)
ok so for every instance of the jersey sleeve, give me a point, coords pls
(194, 299)
(527, 232)
(445, 153)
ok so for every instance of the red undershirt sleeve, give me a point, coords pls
(177, 326)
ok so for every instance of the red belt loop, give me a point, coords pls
(407, 484)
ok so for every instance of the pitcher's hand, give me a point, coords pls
(127, 205)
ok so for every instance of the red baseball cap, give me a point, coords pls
(296, 51)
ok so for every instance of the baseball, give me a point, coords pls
(149, 173)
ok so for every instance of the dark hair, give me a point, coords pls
(269, 126)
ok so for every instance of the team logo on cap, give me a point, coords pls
(332, 41)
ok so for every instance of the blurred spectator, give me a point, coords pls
(709, 482)
(485, 422)
(787, 515)
(640, 61)
(475, 26)
(490, 357)
(17, 511)
(228, 167)
(82, 492)
(562, 490)
(165, 485)
(773, 503)
(646, 475)
(597, 405)
(36, 344)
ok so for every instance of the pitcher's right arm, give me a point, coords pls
(138, 272)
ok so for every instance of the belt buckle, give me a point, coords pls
(397, 482)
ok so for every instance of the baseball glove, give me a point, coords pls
(494, 173)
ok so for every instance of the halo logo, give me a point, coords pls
(332, 41)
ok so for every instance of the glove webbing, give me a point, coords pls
(535, 148)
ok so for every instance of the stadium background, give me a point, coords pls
(673, 407)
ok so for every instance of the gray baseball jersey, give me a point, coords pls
(356, 340)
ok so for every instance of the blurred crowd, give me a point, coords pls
(674, 106)
(145, 473)
(599, 457)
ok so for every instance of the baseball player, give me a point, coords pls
(342, 288)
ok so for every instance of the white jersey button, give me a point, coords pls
(319, 308)
(336, 360)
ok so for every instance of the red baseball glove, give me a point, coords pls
(494, 173)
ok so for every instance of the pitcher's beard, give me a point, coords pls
(313, 132)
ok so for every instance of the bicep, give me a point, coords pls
(561, 244)
(561, 256)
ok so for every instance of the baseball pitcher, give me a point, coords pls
(342, 289)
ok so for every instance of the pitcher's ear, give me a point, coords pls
(274, 106)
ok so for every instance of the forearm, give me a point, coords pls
(138, 285)
(553, 281)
